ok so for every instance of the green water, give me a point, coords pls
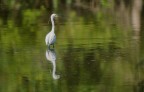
(94, 52)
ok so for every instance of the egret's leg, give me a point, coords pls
(48, 46)
(53, 45)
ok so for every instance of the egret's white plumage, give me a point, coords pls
(51, 37)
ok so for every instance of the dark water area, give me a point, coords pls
(98, 49)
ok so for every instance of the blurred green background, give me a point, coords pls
(99, 47)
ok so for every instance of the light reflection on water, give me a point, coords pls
(51, 56)
(83, 64)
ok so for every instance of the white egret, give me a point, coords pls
(51, 37)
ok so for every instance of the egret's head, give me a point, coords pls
(54, 15)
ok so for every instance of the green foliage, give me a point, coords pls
(30, 17)
(106, 3)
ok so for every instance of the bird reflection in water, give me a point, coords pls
(51, 56)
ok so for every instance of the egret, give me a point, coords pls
(51, 37)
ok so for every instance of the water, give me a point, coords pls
(93, 53)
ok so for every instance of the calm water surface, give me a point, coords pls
(91, 54)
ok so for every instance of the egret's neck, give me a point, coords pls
(52, 21)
